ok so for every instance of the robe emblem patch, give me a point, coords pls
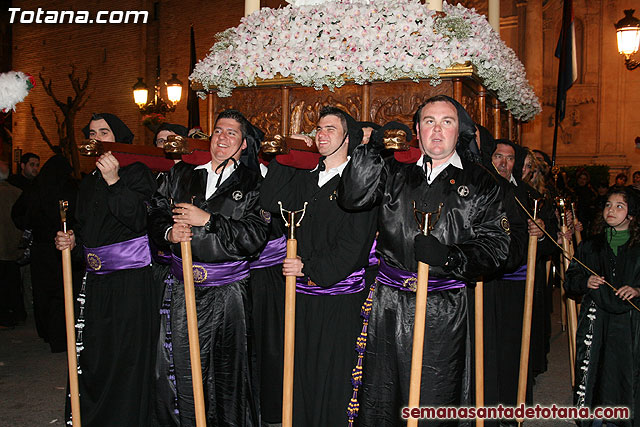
(463, 191)
(504, 222)
(266, 215)
(411, 283)
(236, 195)
(199, 274)
(94, 262)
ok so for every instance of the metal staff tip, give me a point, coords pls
(426, 220)
(291, 221)
(64, 206)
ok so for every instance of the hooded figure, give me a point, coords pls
(353, 131)
(175, 128)
(229, 229)
(38, 209)
(121, 132)
(333, 270)
(520, 153)
(468, 240)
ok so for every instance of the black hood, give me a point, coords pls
(121, 132)
(175, 128)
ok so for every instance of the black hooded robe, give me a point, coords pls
(120, 309)
(38, 209)
(239, 230)
(333, 243)
(473, 224)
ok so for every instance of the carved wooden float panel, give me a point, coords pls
(283, 107)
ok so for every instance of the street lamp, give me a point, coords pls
(157, 104)
(628, 31)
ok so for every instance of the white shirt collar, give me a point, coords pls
(212, 176)
(326, 175)
(513, 180)
(433, 173)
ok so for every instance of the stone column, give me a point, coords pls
(532, 131)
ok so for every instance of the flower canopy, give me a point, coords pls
(327, 44)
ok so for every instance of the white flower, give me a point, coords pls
(321, 43)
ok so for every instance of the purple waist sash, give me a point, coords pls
(519, 274)
(125, 255)
(407, 280)
(352, 284)
(217, 274)
(373, 259)
(273, 254)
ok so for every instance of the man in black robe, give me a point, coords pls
(117, 325)
(217, 210)
(331, 271)
(469, 240)
(505, 288)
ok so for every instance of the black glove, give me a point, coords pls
(376, 140)
(429, 250)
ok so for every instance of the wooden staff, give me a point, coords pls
(419, 322)
(289, 316)
(526, 317)
(479, 331)
(69, 316)
(194, 338)
(578, 234)
(572, 316)
(563, 298)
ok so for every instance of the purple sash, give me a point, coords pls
(373, 259)
(407, 280)
(519, 274)
(352, 284)
(125, 255)
(273, 254)
(218, 274)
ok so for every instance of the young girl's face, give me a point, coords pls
(615, 212)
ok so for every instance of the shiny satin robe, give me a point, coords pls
(474, 226)
(239, 230)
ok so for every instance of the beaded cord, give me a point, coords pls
(361, 345)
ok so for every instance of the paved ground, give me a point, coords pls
(32, 380)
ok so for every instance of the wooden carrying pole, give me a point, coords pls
(578, 234)
(289, 339)
(192, 327)
(572, 315)
(526, 317)
(418, 339)
(479, 355)
(289, 315)
(69, 315)
(419, 321)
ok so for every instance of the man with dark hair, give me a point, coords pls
(216, 209)
(167, 129)
(117, 325)
(108, 127)
(29, 167)
(469, 240)
(505, 287)
(331, 270)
